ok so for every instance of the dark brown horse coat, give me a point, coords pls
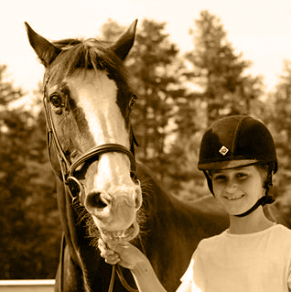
(170, 232)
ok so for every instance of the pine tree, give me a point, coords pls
(277, 116)
(30, 233)
(220, 71)
(156, 69)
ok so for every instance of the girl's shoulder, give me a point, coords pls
(276, 233)
(213, 240)
(281, 230)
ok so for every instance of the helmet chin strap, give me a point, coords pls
(266, 199)
(262, 201)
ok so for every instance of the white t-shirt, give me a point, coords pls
(255, 262)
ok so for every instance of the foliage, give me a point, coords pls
(278, 118)
(111, 30)
(29, 219)
(220, 71)
(156, 73)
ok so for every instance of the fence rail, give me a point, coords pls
(27, 285)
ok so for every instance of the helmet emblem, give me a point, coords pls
(223, 150)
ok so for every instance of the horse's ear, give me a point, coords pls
(45, 50)
(123, 45)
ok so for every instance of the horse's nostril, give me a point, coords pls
(98, 200)
(99, 203)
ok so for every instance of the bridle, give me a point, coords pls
(93, 154)
(69, 179)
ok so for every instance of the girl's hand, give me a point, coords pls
(130, 257)
(124, 254)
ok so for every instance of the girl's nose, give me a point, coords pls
(231, 187)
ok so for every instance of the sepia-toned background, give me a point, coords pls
(193, 61)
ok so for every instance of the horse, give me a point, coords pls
(102, 191)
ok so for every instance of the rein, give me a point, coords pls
(116, 269)
(67, 172)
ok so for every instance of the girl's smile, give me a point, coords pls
(231, 198)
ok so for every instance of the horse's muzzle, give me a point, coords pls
(100, 204)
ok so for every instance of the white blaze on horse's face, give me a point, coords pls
(110, 194)
(96, 94)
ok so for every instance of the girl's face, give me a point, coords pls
(238, 189)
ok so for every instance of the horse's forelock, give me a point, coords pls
(86, 54)
(95, 55)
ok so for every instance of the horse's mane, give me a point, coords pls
(92, 54)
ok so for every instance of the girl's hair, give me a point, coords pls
(264, 168)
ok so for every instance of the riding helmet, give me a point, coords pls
(237, 138)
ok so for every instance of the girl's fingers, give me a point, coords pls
(110, 256)
(107, 253)
(113, 247)
(112, 259)
(117, 247)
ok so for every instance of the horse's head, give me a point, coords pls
(87, 103)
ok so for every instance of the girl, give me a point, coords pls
(238, 158)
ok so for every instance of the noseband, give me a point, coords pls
(68, 169)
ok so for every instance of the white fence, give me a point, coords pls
(27, 285)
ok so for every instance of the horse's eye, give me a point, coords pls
(56, 101)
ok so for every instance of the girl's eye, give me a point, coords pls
(241, 175)
(220, 178)
(56, 101)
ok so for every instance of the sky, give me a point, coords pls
(260, 29)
